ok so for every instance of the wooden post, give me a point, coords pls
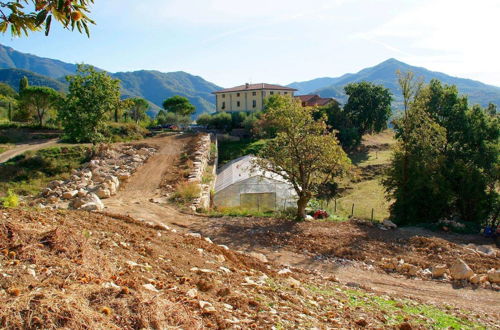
(372, 215)
(352, 210)
(335, 205)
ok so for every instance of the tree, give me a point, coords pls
(137, 109)
(92, 95)
(23, 83)
(204, 119)
(8, 91)
(303, 152)
(170, 118)
(339, 122)
(446, 160)
(410, 87)
(179, 105)
(368, 106)
(24, 16)
(39, 101)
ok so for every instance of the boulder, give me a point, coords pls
(78, 203)
(388, 264)
(56, 183)
(461, 271)
(46, 192)
(124, 176)
(439, 270)
(82, 193)
(475, 279)
(389, 224)
(103, 193)
(70, 194)
(259, 256)
(92, 207)
(494, 276)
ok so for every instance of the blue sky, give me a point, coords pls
(230, 42)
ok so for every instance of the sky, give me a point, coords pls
(231, 42)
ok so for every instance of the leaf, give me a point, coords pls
(41, 17)
(47, 25)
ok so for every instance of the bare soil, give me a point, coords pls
(23, 147)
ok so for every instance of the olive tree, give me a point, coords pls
(39, 101)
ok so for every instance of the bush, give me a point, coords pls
(186, 192)
(11, 200)
(238, 212)
(119, 132)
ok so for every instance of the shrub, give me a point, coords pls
(11, 200)
(186, 192)
(119, 132)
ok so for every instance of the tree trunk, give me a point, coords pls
(301, 207)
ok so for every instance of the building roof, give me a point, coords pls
(239, 170)
(253, 87)
(314, 100)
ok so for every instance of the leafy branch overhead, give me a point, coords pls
(24, 16)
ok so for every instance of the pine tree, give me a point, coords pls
(23, 84)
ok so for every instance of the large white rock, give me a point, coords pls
(461, 271)
(439, 270)
(70, 194)
(103, 193)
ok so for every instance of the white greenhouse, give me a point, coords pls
(238, 185)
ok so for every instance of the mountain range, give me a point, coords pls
(156, 86)
(385, 74)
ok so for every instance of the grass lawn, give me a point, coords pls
(229, 150)
(30, 172)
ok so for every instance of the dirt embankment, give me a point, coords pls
(80, 270)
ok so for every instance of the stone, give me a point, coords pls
(78, 203)
(55, 184)
(485, 250)
(461, 271)
(46, 192)
(475, 279)
(388, 264)
(91, 207)
(196, 235)
(70, 194)
(412, 270)
(439, 270)
(389, 224)
(193, 293)
(207, 307)
(259, 256)
(150, 287)
(103, 193)
(494, 276)
(293, 282)
(82, 193)
(124, 176)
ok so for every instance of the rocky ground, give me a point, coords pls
(99, 179)
(80, 270)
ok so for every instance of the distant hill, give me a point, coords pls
(154, 86)
(13, 76)
(385, 74)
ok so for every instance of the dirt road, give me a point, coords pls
(22, 148)
(134, 200)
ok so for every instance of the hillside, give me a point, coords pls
(154, 86)
(385, 74)
(13, 76)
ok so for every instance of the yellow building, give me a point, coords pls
(248, 97)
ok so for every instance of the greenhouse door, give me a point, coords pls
(259, 201)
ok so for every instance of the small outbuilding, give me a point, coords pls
(239, 184)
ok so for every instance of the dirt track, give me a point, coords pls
(22, 148)
(134, 200)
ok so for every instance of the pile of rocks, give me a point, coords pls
(459, 271)
(200, 163)
(98, 179)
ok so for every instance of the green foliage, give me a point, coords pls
(11, 200)
(23, 83)
(12, 77)
(229, 150)
(338, 120)
(122, 132)
(24, 16)
(239, 212)
(179, 105)
(204, 119)
(170, 118)
(38, 102)
(92, 95)
(138, 107)
(8, 91)
(368, 106)
(27, 174)
(446, 161)
(303, 151)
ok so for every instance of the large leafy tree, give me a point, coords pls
(179, 105)
(138, 108)
(446, 161)
(368, 106)
(92, 96)
(39, 101)
(24, 16)
(303, 151)
(339, 120)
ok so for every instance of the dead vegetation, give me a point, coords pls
(80, 270)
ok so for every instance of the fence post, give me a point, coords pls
(335, 205)
(372, 214)
(352, 210)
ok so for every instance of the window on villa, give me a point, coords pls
(272, 93)
(238, 94)
(223, 96)
(223, 105)
(238, 103)
(254, 93)
(254, 103)
(286, 93)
